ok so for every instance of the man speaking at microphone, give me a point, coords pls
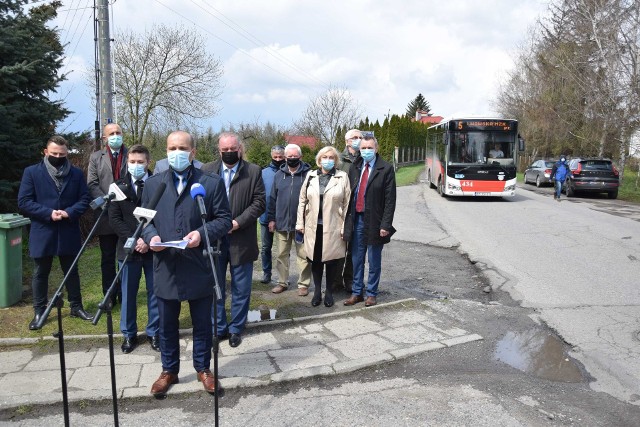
(184, 274)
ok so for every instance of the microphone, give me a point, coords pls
(115, 192)
(198, 193)
(144, 215)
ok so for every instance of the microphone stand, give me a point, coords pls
(58, 302)
(211, 252)
(107, 306)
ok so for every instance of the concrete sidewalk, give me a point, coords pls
(271, 352)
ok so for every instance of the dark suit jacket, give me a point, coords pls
(379, 201)
(122, 220)
(99, 178)
(248, 201)
(38, 197)
(184, 274)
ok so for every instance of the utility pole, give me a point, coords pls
(104, 70)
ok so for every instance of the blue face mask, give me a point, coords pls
(179, 160)
(367, 154)
(115, 142)
(327, 164)
(136, 170)
(355, 143)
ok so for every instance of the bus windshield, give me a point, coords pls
(482, 148)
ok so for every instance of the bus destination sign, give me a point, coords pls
(486, 125)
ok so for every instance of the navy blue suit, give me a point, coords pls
(50, 238)
(185, 275)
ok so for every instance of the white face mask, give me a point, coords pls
(327, 164)
(136, 170)
(179, 160)
(115, 142)
(367, 154)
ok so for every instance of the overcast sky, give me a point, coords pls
(277, 54)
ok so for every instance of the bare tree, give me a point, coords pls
(164, 79)
(576, 86)
(328, 112)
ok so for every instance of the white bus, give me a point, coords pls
(473, 156)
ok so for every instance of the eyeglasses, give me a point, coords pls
(355, 138)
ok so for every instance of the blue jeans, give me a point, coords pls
(558, 187)
(169, 311)
(267, 243)
(241, 276)
(130, 279)
(374, 255)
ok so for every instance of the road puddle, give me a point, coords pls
(263, 313)
(539, 353)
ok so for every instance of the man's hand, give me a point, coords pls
(56, 215)
(155, 239)
(235, 226)
(64, 214)
(272, 226)
(141, 246)
(383, 233)
(194, 238)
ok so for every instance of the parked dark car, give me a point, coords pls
(539, 172)
(592, 175)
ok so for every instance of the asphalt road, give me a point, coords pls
(576, 262)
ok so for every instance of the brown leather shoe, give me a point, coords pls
(353, 299)
(162, 384)
(208, 380)
(303, 292)
(278, 289)
(370, 301)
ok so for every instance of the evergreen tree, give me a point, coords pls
(419, 103)
(30, 58)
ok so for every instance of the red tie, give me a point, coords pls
(362, 189)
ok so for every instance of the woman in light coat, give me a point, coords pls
(322, 208)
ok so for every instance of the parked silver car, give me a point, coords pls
(539, 172)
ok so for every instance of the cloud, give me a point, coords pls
(279, 54)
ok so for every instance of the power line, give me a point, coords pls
(259, 43)
(233, 46)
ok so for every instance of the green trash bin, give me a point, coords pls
(11, 258)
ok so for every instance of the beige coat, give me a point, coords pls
(334, 209)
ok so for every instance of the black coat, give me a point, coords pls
(122, 220)
(379, 201)
(185, 274)
(248, 201)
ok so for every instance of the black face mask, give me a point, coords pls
(293, 163)
(56, 162)
(230, 157)
(277, 163)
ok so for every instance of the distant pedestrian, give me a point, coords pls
(54, 195)
(266, 236)
(282, 215)
(322, 210)
(559, 175)
(369, 225)
(351, 153)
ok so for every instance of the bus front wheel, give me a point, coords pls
(441, 187)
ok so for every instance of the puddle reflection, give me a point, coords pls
(539, 353)
(260, 315)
